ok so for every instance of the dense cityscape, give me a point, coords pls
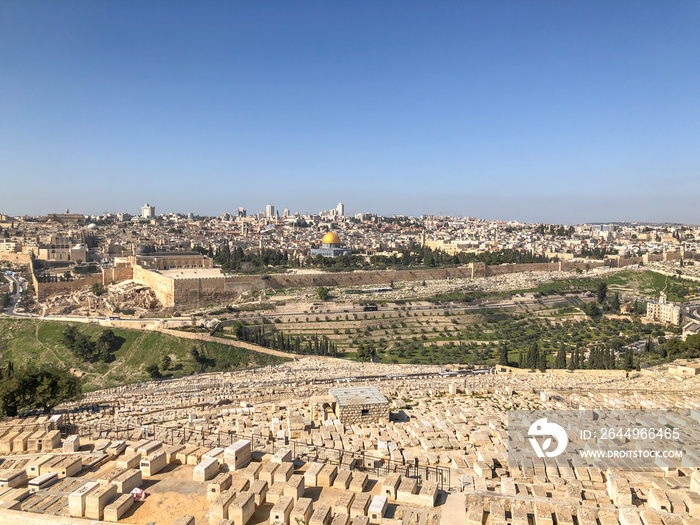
(424, 306)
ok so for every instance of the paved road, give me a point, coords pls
(11, 310)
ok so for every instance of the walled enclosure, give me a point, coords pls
(188, 292)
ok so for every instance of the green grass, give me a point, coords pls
(39, 342)
(651, 284)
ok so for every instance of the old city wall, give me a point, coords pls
(629, 261)
(162, 286)
(105, 277)
(583, 266)
(210, 290)
(45, 290)
(562, 266)
(200, 291)
(503, 269)
(117, 275)
(368, 278)
(16, 258)
(183, 293)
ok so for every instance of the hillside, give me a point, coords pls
(33, 341)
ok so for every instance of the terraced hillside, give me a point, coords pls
(443, 335)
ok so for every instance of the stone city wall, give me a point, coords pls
(46, 290)
(194, 292)
(162, 286)
(105, 277)
(17, 258)
(187, 292)
(203, 291)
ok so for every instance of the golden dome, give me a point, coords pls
(331, 238)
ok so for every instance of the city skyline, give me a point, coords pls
(330, 212)
(545, 112)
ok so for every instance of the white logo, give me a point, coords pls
(541, 428)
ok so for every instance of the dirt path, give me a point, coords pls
(51, 350)
(228, 342)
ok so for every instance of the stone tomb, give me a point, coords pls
(68, 466)
(238, 455)
(128, 481)
(281, 511)
(360, 505)
(407, 489)
(130, 460)
(242, 508)
(340, 519)
(252, 471)
(13, 477)
(206, 470)
(154, 463)
(377, 509)
(302, 511)
(267, 473)
(343, 479)
(357, 405)
(115, 448)
(327, 475)
(283, 455)
(116, 510)
(359, 481)
(283, 473)
(71, 443)
(321, 515)
(295, 487)
(311, 474)
(76, 499)
(258, 489)
(390, 486)
(428, 493)
(219, 484)
(34, 466)
(343, 504)
(42, 482)
(219, 508)
(97, 500)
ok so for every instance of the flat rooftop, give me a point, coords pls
(169, 254)
(358, 395)
(191, 273)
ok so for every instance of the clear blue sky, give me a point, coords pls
(557, 111)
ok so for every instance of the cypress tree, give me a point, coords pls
(503, 355)
(560, 361)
